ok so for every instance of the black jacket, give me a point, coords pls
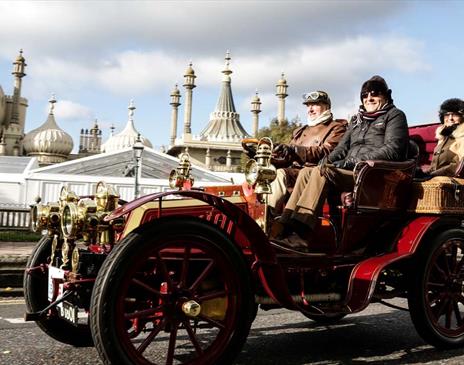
(385, 138)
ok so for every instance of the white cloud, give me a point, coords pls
(69, 110)
(88, 29)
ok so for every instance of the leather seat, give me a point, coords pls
(382, 185)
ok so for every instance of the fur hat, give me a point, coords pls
(454, 105)
(376, 83)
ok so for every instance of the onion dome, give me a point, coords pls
(282, 81)
(127, 137)
(189, 71)
(49, 142)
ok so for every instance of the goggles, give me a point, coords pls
(316, 97)
(373, 93)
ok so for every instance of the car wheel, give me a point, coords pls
(176, 292)
(35, 286)
(436, 301)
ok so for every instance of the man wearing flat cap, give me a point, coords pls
(379, 131)
(309, 144)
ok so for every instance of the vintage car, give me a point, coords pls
(177, 277)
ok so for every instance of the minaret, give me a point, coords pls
(189, 84)
(18, 73)
(175, 97)
(255, 110)
(281, 94)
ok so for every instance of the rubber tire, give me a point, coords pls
(136, 243)
(36, 293)
(416, 299)
(326, 319)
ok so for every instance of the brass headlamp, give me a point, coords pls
(181, 175)
(79, 218)
(45, 216)
(259, 172)
(106, 197)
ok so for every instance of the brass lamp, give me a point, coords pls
(259, 172)
(181, 175)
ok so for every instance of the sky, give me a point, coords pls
(96, 56)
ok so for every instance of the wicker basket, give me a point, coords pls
(441, 194)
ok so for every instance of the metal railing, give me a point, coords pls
(15, 218)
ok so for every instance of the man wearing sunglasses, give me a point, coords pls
(309, 144)
(379, 131)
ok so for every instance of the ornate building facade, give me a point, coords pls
(13, 113)
(218, 146)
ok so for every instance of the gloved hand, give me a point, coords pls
(284, 151)
(350, 163)
(249, 149)
(283, 155)
(339, 164)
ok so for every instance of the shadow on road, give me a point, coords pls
(372, 339)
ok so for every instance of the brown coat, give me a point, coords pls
(448, 152)
(313, 144)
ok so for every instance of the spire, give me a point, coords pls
(224, 124)
(52, 102)
(226, 101)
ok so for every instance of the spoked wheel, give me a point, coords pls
(175, 293)
(436, 300)
(36, 297)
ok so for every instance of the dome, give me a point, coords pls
(189, 71)
(282, 81)
(127, 137)
(49, 139)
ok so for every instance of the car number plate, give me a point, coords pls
(68, 312)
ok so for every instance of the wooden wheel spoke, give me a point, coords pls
(212, 322)
(143, 313)
(457, 313)
(435, 285)
(212, 295)
(440, 271)
(146, 286)
(185, 265)
(164, 270)
(202, 276)
(172, 343)
(154, 332)
(449, 311)
(440, 307)
(193, 337)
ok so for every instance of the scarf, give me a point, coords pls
(364, 116)
(324, 117)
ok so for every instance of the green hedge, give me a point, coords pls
(19, 236)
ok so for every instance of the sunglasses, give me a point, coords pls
(315, 96)
(373, 93)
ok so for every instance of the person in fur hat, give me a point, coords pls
(449, 150)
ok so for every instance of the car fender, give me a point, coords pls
(265, 265)
(365, 274)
